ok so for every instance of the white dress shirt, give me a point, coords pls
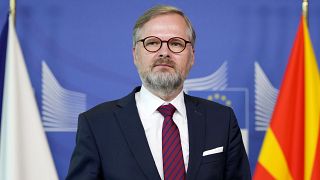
(147, 104)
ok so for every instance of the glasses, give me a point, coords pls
(175, 44)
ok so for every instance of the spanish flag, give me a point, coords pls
(291, 147)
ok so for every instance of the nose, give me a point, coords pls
(164, 51)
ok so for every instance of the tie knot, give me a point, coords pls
(167, 110)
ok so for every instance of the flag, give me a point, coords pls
(291, 147)
(24, 150)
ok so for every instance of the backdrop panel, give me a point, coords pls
(79, 54)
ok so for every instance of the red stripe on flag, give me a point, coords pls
(262, 173)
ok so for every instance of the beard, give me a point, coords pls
(162, 82)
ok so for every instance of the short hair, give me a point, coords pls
(162, 10)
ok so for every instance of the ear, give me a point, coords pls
(134, 55)
(192, 57)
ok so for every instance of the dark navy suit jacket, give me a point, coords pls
(111, 143)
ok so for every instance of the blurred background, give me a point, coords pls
(79, 53)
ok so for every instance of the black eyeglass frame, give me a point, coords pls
(185, 43)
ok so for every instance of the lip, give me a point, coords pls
(163, 65)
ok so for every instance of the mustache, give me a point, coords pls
(164, 61)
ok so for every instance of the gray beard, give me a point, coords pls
(163, 83)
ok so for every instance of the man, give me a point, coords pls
(157, 131)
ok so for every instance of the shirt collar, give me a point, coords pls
(151, 102)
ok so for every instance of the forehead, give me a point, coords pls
(165, 26)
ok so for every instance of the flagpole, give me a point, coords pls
(305, 9)
(12, 10)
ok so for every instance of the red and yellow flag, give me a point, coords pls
(291, 147)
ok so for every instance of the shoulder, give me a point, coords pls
(98, 116)
(206, 104)
(101, 109)
(106, 109)
(213, 111)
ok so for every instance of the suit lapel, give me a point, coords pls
(196, 128)
(134, 133)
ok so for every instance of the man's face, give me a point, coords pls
(164, 70)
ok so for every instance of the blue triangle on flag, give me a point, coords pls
(3, 52)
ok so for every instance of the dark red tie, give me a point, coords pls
(173, 164)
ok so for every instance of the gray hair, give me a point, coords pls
(162, 10)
